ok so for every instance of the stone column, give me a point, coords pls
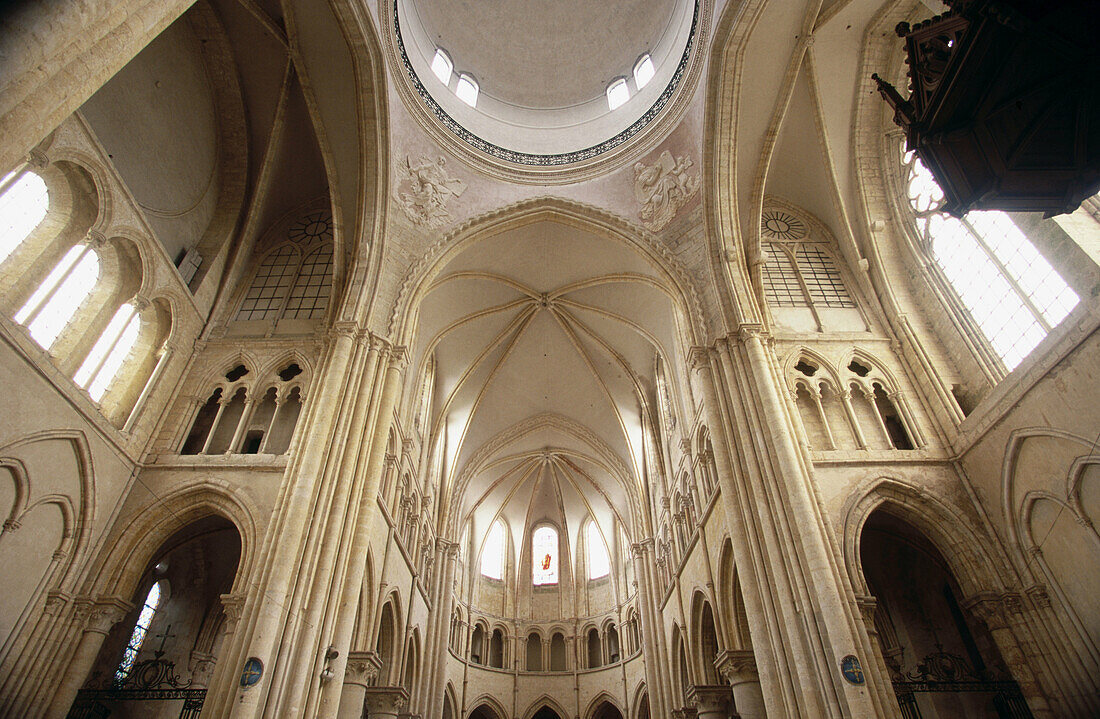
(443, 615)
(655, 678)
(355, 538)
(98, 619)
(710, 702)
(360, 673)
(991, 610)
(385, 702)
(739, 669)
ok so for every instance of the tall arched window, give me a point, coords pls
(60, 295)
(544, 555)
(24, 201)
(599, 563)
(141, 628)
(492, 554)
(110, 351)
(1013, 294)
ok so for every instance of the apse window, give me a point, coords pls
(617, 94)
(1013, 294)
(467, 89)
(643, 71)
(141, 628)
(492, 554)
(544, 555)
(442, 66)
(599, 563)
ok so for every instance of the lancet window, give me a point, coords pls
(141, 628)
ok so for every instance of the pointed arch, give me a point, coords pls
(548, 702)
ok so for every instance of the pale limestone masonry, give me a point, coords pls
(782, 472)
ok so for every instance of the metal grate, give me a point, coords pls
(309, 297)
(781, 287)
(270, 286)
(822, 278)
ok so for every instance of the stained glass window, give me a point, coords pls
(1013, 294)
(544, 553)
(492, 554)
(599, 563)
(141, 628)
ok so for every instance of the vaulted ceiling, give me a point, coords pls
(545, 339)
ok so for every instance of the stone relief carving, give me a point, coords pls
(663, 188)
(424, 188)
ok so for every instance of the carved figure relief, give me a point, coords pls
(424, 189)
(663, 188)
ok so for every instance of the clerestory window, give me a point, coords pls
(492, 554)
(1012, 293)
(599, 563)
(24, 201)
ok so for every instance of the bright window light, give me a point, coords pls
(60, 295)
(492, 554)
(1012, 292)
(544, 555)
(442, 66)
(599, 563)
(106, 358)
(617, 94)
(141, 628)
(23, 206)
(467, 89)
(643, 71)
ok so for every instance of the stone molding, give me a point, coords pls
(737, 666)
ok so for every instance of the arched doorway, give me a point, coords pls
(607, 710)
(943, 662)
(158, 660)
(484, 712)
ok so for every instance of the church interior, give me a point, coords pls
(436, 359)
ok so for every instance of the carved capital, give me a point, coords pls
(385, 701)
(38, 159)
(95, 239)
(989, 608)
(867, 607)
(685, 713)
(140, 303)
(343, 329)
(1038, 595)
(699, 358)
(232, 606)
(56, 601)
(10, 525)
(709, 699)
(104, 613)
(362, 668)
(751, 331)
(399, 358)
(736, 666)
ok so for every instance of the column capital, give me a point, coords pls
(362, 668)
(399, 357)
(709, 699)
(37, 159)
(1038, 595)
(989, 607)
(751, 330)
(232, 607)
(867, 607)
(737, 666)
(103, 613)
(385, 701)
(685, 713)
(698, 357)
